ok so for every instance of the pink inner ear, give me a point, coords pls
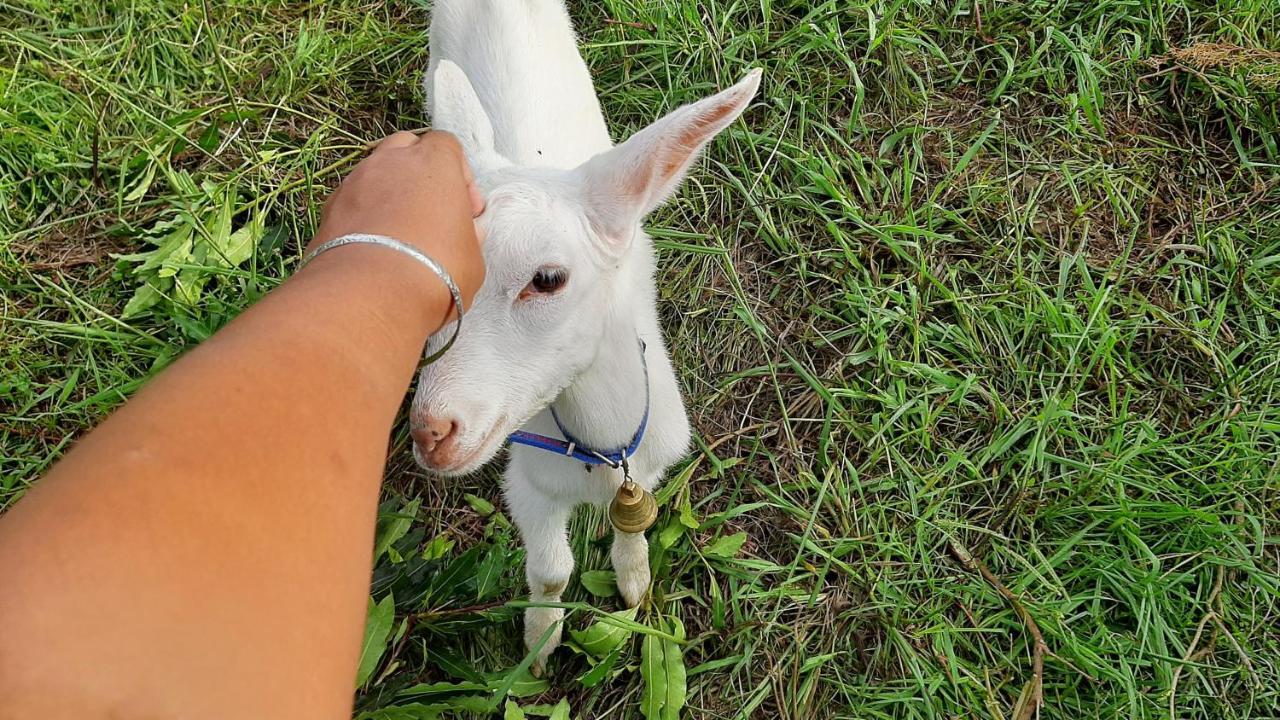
(690, 137)
(672, 155)
(655, 158)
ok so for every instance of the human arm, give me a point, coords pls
(206, 551)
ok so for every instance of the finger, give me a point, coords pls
(477, 200)
(473, 190)
(444, 140)
(397, 140)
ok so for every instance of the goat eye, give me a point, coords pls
(548, 280)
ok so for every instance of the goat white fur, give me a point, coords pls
(562, 201)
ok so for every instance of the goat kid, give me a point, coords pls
(564, 332)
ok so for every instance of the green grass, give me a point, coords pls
(1003, 287)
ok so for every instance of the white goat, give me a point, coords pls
(561, 334)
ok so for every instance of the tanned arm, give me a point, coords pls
(206, 551)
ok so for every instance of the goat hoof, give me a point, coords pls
(537, 623)
(634, 587)
(538, 669)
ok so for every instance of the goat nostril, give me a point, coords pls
(423, 439)
(432, 433)
(440, 428)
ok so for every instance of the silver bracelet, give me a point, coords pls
(413, 252)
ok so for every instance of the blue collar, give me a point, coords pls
(570, 447)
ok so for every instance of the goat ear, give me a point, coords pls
(625, 183)
(454, 106)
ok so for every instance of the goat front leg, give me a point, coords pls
(543, 523)
(630, 555)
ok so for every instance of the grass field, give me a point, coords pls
(976, 311)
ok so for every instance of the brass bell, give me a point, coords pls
(633, 509)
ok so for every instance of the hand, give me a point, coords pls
(419, 190)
